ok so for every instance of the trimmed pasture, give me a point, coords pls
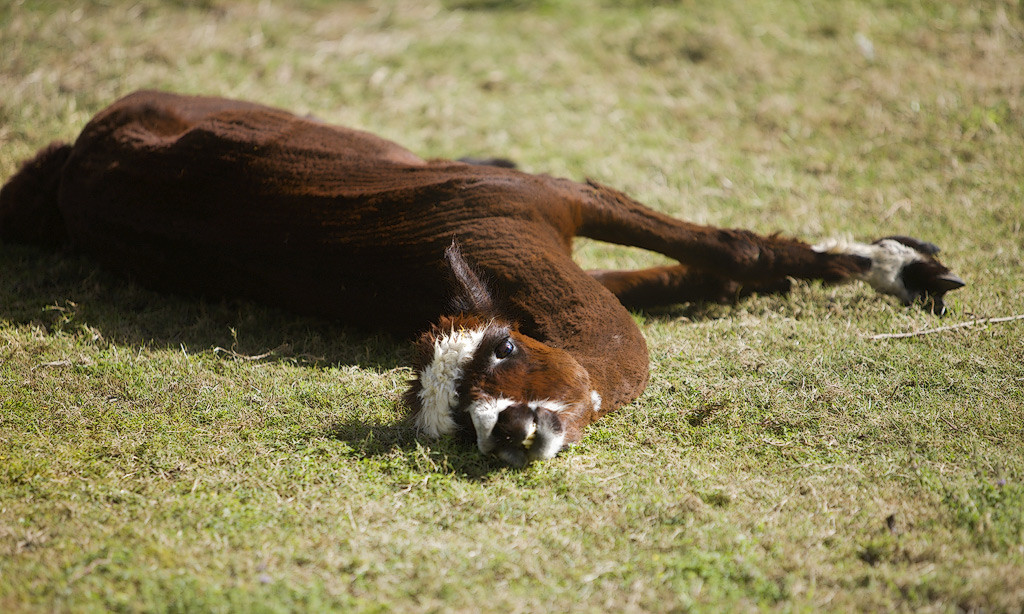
(160, 453)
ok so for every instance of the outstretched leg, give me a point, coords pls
(900, 266)
(669, 285)
(609, 215)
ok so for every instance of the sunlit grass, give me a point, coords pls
(161, 453)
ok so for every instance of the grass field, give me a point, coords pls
(165, 454)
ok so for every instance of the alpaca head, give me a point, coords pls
(517, 397)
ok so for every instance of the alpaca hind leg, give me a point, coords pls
(669, 285)
(611, 216)
(899, 266)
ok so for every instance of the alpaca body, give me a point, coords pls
(226, 198)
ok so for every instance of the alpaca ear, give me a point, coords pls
(468, 293)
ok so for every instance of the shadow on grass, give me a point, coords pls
(64, 293)
(456, 456)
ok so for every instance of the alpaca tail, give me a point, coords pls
(28, 202)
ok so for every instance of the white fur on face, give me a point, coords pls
(440, 380)
(888, 257)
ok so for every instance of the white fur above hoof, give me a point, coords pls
(902, 267)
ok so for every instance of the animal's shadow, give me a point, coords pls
(65, 292)
(59, 291)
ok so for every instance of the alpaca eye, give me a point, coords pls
(504, 349)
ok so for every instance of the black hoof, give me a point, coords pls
(932, 297)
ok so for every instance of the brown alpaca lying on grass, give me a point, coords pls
(227, 198)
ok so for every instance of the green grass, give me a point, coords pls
(780, 459)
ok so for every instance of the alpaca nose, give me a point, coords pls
(516, 427)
